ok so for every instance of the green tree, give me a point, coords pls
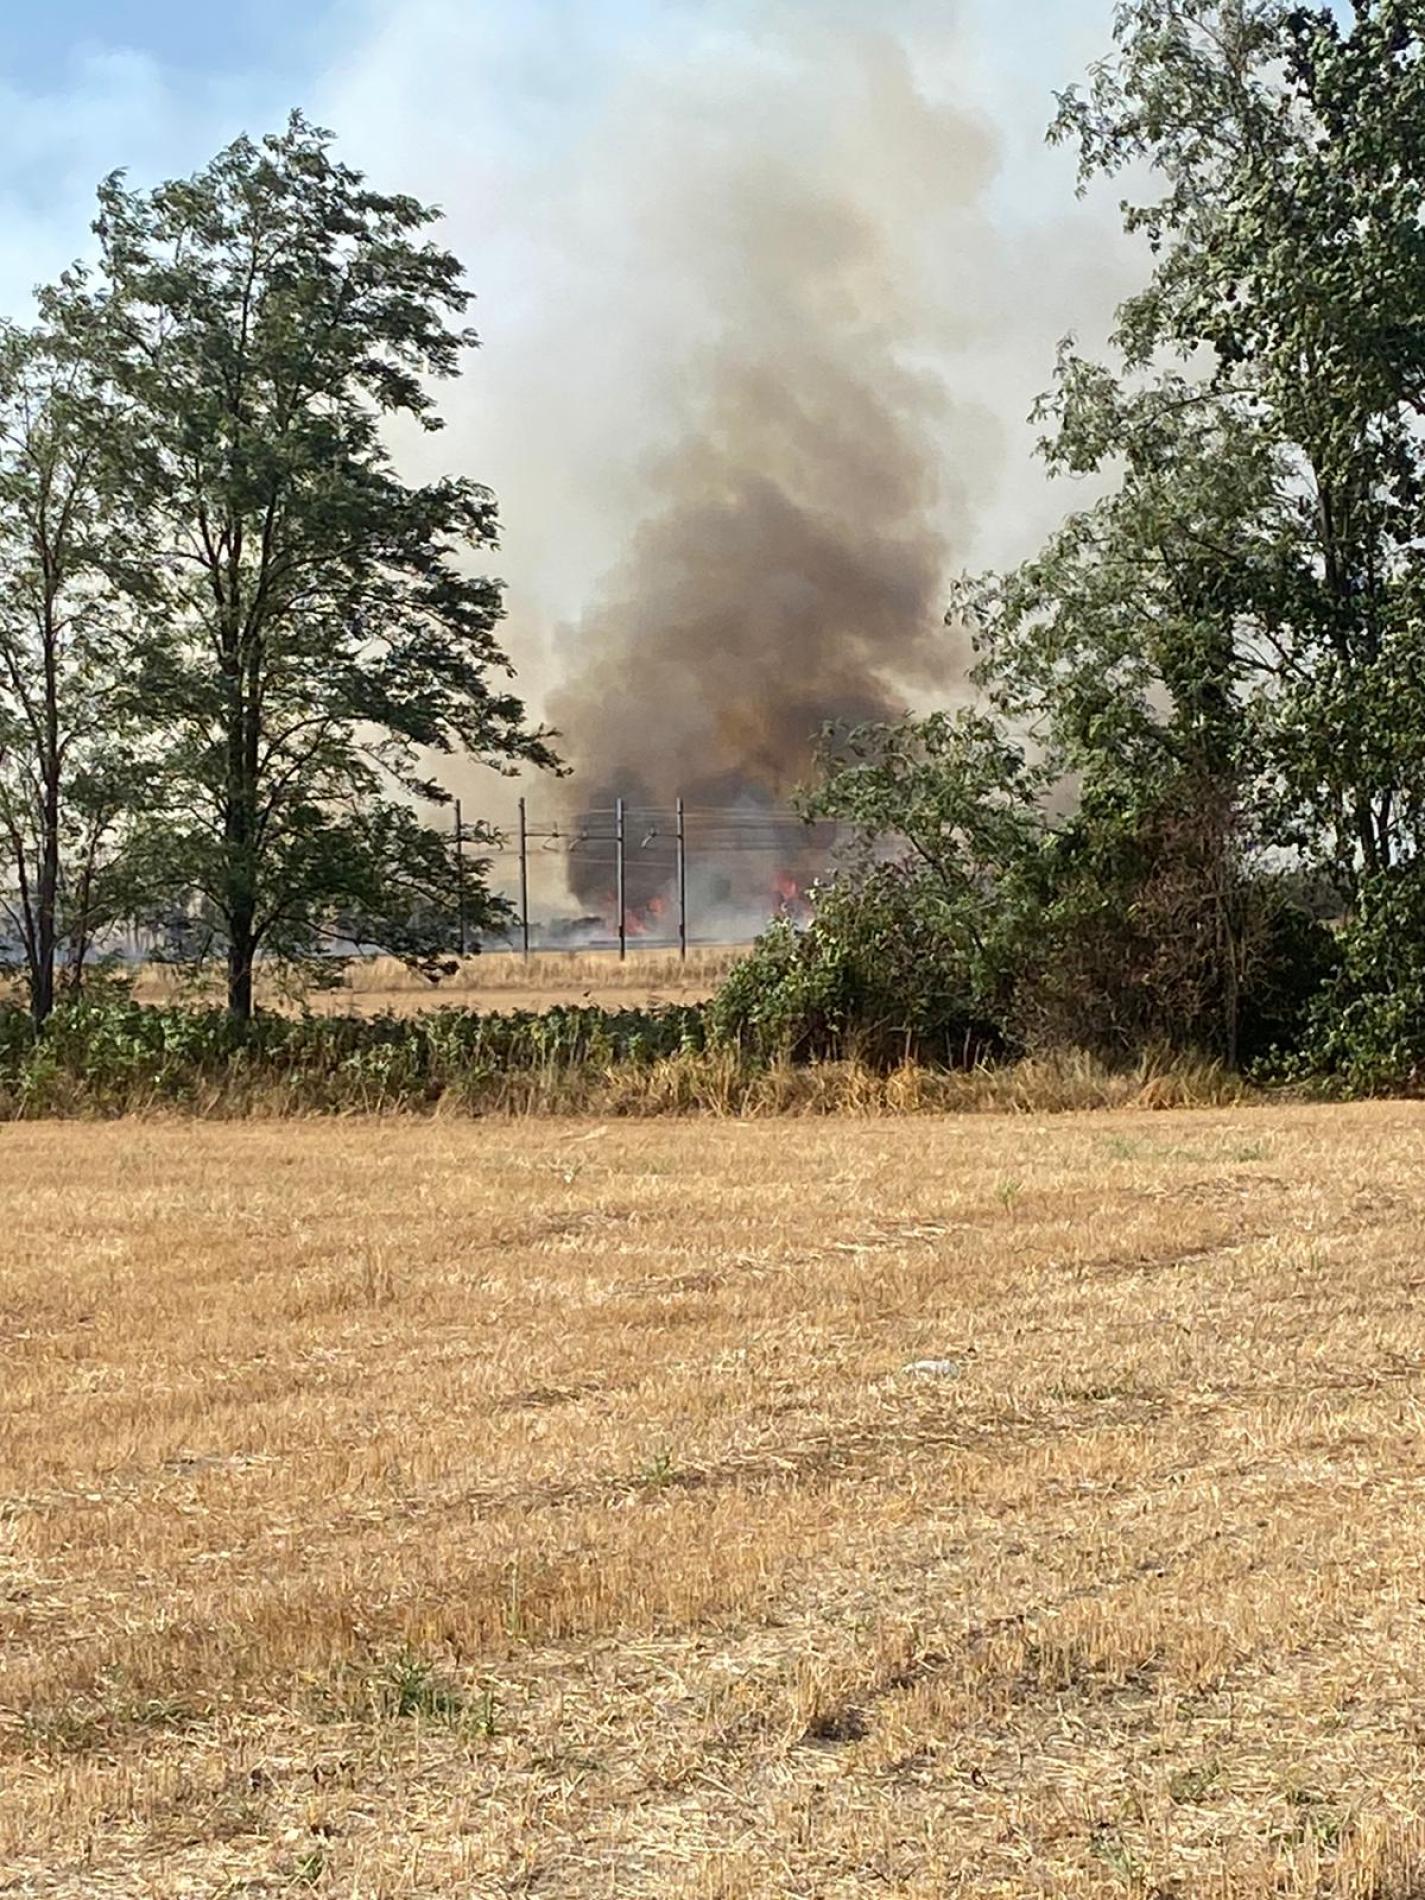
(72, 754)
(1224, 657)
(320, 633)
(910, 950)
(952, 797)
(1125, 649)
(1288, 280)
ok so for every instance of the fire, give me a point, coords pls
(645, 922)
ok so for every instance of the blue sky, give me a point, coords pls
(38, 44)
(542, 53)
(41, 45)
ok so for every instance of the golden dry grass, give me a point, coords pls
(397, 1508)
(373, 985)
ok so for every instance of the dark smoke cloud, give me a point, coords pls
(792, 565)
(765, 306)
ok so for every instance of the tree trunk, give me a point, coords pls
(46, 905)
(1233, 1009)
(241, 896)
(81, 924)
(240, 956)
(47, 893)
(42, 968)
(241, 826)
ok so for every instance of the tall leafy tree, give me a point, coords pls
(1124, 648)
(1225, 655)
(1289, 266)
(73, 777)
(953, 799)
(324, 631)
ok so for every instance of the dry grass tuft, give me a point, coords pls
(412, 1508)
(718, 1082)
(601, 970)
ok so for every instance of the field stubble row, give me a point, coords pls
(400, 1508)
(498, 979)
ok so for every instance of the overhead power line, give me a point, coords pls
(658, 836)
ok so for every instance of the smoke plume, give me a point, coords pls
(767, 289)
(790, 567)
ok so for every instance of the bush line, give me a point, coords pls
(101, 1059)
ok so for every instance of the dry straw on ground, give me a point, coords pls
(403, 1508)
(497, 980)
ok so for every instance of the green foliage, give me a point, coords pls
(314, 637)
(1220, 660)
(1367, 1026)
(111, 1058)
(660, 1470)
(909, 949)
(1295, 966)
(107, 1056)
(72, 757)
(971, 917)
(1154, 930)
(1288, 274)
(413, 1687)
(1120, 645)
(875, 976)
(953, 790)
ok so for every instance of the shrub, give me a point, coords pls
(1298, 959)
(105, 1057)
(1366, 1028)
(875, 976)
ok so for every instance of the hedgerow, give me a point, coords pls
(110, 1056)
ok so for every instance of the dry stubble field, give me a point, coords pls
(497, 981)
(437, 1508)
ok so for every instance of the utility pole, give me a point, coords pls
(460, 872)
(524, 880)
(622, 912)
(682, 884)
